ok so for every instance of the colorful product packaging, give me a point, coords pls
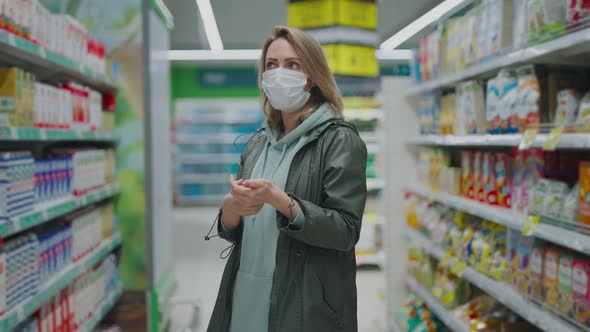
(528, 99)
(520, 35)
(471, 112)
(500, 25)
(504, 179)
(584, 198)
(490, 194)
(578, 12)
(537, 268)
(478, 185)
(581, 291)
(493, 97)
(467, 174)
(564, 302)
(550, 277)
(568, 103)
(583, 118)
(506, 109)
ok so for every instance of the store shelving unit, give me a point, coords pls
(53, 68)
(394, 326)
(18, 314)
(48, 65)
(436, 307)
(104, 309)
(558, 235)
(38, 134)
(549, 52)
(567, 141)
(503, 292)
(50, 210)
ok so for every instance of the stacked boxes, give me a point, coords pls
(53, 178)
(16, 97)
(17, 171)
(21, 274)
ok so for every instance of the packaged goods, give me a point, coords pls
(554, 16)
(556, 194)
(537, 268)
(583, 118)
(483, 43)
(504, 179)
(564, 302)
(581, 290)
(471, 118)
(520, 36)
(469, 38)
(550, 277)
(570, 205)
(535, 18)
(506, 109)
(489, 178)
(478, 185)
(493, 97)
(430, 114)
(467, 174)
(528, 99)
(500, 25)
(447, 114)
(567, 107)
(578, 11)
(16, 183)
(584, 198)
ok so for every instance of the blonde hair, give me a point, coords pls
(314, 64)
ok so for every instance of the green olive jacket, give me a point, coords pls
(314, 283)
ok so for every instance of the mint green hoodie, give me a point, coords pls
(251, 299)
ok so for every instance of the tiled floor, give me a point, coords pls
(199, 269)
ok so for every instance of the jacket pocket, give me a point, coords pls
(329, 309)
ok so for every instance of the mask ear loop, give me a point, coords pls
(209, 237)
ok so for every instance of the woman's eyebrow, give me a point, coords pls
(289, 59)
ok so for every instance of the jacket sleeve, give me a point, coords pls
(232, 236)
(336, 222)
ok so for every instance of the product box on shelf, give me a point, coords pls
(520, 34)
(470, 109)
(578, 12)
(584, 198)
(478, 185)
(490, 189)
(447, 114)
(503, 169)
(565, 303)
(16, 183)
(500, 25)
(550, 277)
(537, 269)
(467, 174)
(581, 290)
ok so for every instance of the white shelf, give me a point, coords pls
(554, 234)
(39, 134)
(377, 259)
(49, 65)
(571, 141)
(212, 138)
(375, 184)
(47, 211)
(46, 291)
(209, 158)
(104, 309)
(549, 52)
(202, 178)
(452, 322)
(503, 292)
(363, 114)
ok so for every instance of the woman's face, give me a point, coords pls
(281, 54)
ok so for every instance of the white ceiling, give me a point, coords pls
(243, 24)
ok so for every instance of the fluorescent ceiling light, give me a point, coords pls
(405, 55)
(212, 55)
(208, 18)
(422, 22)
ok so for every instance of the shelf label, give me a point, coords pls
(528, 138)
(530, 225)
(553, 139)
(5, 133)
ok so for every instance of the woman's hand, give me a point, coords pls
(235, 207)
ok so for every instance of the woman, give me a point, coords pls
(294, 214)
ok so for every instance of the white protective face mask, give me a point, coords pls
(285, 89)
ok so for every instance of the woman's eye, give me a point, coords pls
(270, 65)
(293, 65)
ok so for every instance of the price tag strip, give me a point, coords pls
(553, 139)
(528, 138)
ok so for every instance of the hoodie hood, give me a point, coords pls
(321, 115)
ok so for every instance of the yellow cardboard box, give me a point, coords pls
(325, 13)
(352, 60)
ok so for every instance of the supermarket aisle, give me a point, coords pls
(198, 271)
